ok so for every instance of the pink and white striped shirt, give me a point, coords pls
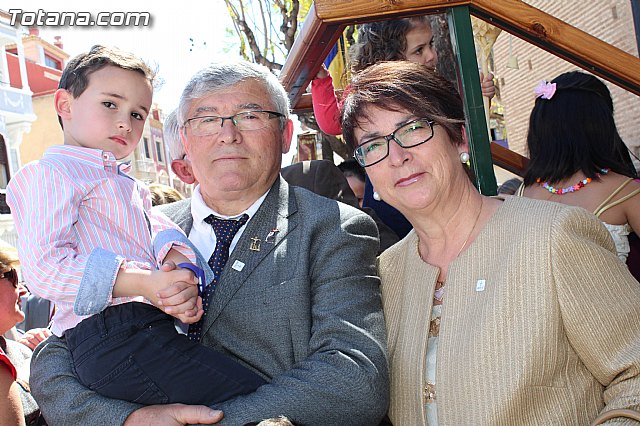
(80, 219)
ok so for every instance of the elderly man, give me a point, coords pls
(298, 300)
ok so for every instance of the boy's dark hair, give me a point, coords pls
(75, 76)
(383, 41)
(575, 131)
(350, 167)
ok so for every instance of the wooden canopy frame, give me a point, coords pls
(328, 18)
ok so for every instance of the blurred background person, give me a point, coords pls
(163, 194)
(15, 357)
(355, 175)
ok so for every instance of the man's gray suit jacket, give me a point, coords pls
(304, 311)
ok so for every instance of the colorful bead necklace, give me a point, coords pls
(573, 188)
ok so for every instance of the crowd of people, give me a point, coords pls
(281, 296)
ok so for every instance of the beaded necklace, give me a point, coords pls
(573, 188)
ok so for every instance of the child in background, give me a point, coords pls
(409, 39)
(578, 158)
(90, 242)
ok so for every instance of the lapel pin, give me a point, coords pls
(255, 244)
(238, 266)
(480, 285)
(271, 236)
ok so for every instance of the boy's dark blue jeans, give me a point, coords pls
(133, 352)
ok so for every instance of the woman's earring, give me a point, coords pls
(376, 196)
(464, 157)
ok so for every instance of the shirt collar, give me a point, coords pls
(200, 211)
(88, 156)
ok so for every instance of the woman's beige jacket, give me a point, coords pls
(540, 323)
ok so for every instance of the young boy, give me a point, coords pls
(90, 242)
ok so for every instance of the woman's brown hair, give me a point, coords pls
(403, 86)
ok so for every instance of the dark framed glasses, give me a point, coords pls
(12, 276)
(414, 133)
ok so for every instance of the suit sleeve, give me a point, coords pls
(344, 379)
(51, 372)
(600, 304)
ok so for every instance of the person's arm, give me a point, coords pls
(168, 238)
(325, 105)
(10, 403)
(600, 305)
(45, 205)
(344, 379)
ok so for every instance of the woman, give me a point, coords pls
(15, 357)
(577, 156)
(497, 310)
(409, 39)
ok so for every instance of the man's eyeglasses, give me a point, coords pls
(11, 275)
(413, 133)
(246, 120)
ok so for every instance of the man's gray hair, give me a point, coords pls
(220, 76)
(172, 140)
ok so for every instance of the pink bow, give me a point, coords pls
(545, 90)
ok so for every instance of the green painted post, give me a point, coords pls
(477, 132)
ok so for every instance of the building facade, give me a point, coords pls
(610, 21)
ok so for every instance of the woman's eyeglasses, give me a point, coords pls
(413, 133)
(12, 276)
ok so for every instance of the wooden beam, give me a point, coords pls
(358, 11)
(561, 39)
(515, 16)
(311, 47)
(508, 160)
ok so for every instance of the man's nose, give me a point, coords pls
(228, 131)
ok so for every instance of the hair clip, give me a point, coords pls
(545, 90)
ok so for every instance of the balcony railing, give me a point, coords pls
(15, 101)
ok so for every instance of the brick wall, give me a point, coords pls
(608, 20)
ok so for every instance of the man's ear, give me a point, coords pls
(183, 170)
(62, 101)
(287, 135)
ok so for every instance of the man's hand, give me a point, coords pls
(180, 299)
(33, 337)
(173, 415)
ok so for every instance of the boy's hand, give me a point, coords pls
(180, 298)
